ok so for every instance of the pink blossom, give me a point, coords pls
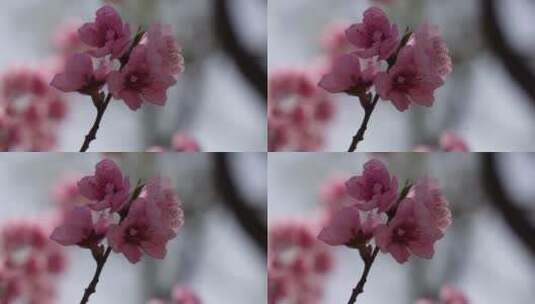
(163, 50)
(78, 229)
(80, 76)
(66, 38)
(375, 35)
(333, 39)
(346, 76)
(30, 110)
(160, 193)
(30, 263)
(432, 53)
(409, 232)
(297, 263)
(406, 82)
(448, 295)
(450, 142)
(451, 295)
(107, 188)
(108, 33)
(374, 188)
(141, 231)
(184, 143)
(140, 81)
(428, 194)
(298, 111)
(185, 295)
(346, 228)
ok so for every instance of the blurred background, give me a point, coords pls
(219, 100)
(488, 251)
(219, 253)
(489, 99)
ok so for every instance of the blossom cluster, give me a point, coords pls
(180, 295)
(133, 220)
(297, 263)
(297, 111)
(403, 221)
(403, 69)
(29, 262)
(136, 68)
(30, 110)
(448, 295)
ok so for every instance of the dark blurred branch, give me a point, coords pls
(514, 215)
(252, 220)
(514, 63)
(248, 64)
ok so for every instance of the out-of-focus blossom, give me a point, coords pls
(29, 262)
(297, 263)
(30, 110)
(298, 112)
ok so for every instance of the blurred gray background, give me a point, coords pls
(212, 101)
(481, 253)
(482, 100)
(213, 253)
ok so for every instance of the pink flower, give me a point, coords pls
(406, 82)
(78, 229)
(184, 143)
(346, 229)
(160, 193)
(163, 50)
(432, 53)
(141, 231)
(107, 188)
(428, 194)
(450, 295)
(450, 142)
(375, 35)
(409, 232)
(140, 81)
(374, 188)
(80, 76)
(184, 295)
(108, 34)
(346, 76)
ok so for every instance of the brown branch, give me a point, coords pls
(368, 262)
(101, 106)
(515, 216)
(513, 62)
(92, 287)
(368, 111)
(247, 63)
(248, 217)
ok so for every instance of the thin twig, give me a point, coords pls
(368, 111)
(91, 288)
(92, 134)
(368, 262)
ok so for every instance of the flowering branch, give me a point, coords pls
(368, 262)
(402, 223)
(137, 222)
(417, 64)
(146, 69)
(101, 260)
(368, 107)
(101, 103)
